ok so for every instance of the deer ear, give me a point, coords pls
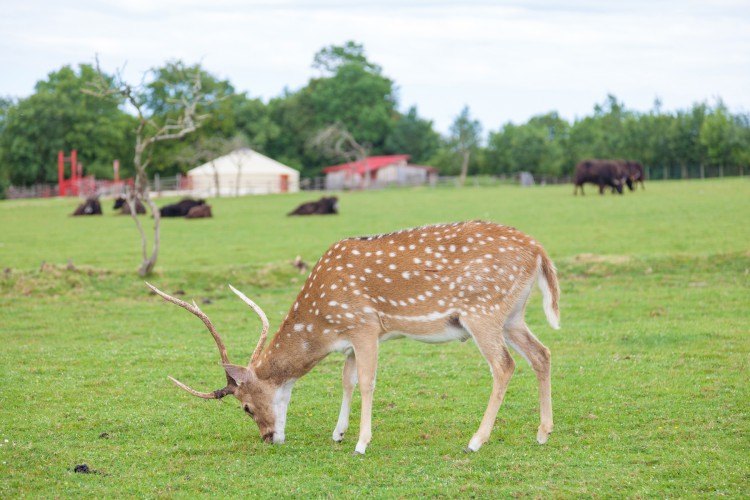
(239, 373)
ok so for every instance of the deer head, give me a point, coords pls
(256, 396)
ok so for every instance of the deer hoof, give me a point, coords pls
(542, 435)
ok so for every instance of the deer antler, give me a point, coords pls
(193, 308)
(263, 319)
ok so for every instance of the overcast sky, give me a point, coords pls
(506, 60)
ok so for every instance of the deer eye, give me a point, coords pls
(249, 411)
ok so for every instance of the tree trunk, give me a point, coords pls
(148, 262)
(464, 169)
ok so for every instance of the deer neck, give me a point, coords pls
(292, 352)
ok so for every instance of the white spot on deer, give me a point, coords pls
(417, 260)
(391, 254)
(299, 327)
(464, 249)
(368, 270)
(388, 280)
(333, 303)
(344, 306)
(392, 267)
(309, 328)
(296, 305)
(428, 250)
(406, 275)
(355, 252)
(334, 286)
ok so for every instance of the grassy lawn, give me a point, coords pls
(650, 368)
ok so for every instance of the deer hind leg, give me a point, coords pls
(349, 379)
(520, 338)
(491, 345)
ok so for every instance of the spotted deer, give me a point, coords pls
(433, 284)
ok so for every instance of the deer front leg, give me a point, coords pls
(349, 380)
(366, 351)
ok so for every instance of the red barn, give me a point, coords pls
(378, 171)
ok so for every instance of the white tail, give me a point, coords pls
(432, 284)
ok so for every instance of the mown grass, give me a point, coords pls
(650, 369)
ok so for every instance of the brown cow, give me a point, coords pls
(599, 172)
(122, 203)
(199, 212)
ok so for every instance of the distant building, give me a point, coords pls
(242, 172)
(378, 171)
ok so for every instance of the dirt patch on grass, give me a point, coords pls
(590, 258)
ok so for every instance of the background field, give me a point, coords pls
(650, 369)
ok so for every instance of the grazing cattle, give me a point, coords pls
(89, 207)
(634, 172)
(122, 203)
(599, 172)
(324, 206)
(199, 212)
(181, 208)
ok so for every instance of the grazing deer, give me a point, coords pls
(433, 284)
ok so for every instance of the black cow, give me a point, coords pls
(634, 171)
(89, 207)
(324, 206)
(181, 208)
(599, 172)
(122, 203)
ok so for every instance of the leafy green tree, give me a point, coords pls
(465, 140)
(537, 146)
(358, 97)
(330, 59)
(414, 136)
(163, 98)
(720, 137)
(58, 116)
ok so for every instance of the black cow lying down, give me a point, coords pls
(325, 205)
(181, 208)
(89, 207)
(122, 204)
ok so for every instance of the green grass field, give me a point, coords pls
(650, 368)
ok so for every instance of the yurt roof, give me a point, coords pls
(250, 162)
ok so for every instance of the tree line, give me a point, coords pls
(353, 93)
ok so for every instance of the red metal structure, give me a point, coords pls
(67, 187)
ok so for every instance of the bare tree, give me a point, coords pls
(335, 141)
(149, 131)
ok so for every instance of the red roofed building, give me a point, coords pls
(378, 171)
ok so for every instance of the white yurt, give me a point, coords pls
(242, 172)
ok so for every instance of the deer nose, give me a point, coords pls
(268, 437)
